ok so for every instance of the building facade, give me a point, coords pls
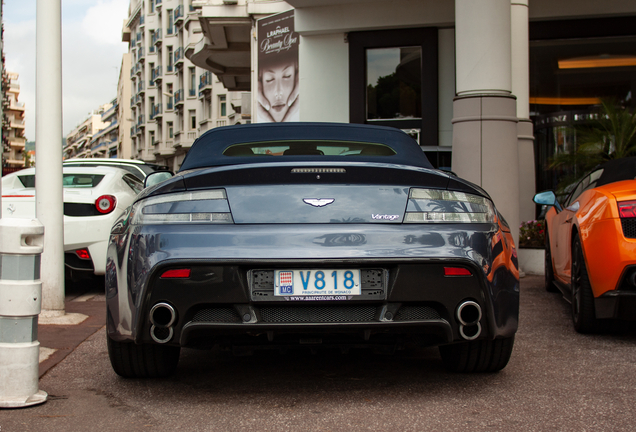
(79, 143)
(172, 100)
(13, 124)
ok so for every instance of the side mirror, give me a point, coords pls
(545, 198)
(157, 177)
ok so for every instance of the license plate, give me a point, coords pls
(317, 282)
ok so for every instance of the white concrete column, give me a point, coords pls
(48, 137)
(485, 149)
(521, 89)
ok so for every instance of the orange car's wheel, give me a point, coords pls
(583, 314)
(549, 270)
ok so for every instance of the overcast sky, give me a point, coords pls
(91, 55)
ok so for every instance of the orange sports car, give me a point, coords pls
(590, 253)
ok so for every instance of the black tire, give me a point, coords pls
(549, 270)
(478, 355)
(583, 313)
(130, 360)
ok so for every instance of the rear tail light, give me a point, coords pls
(83, 254)
(627, 209)
(105, 204)
(456, 271)
(176, 274)
(199, 207)
(434, 205)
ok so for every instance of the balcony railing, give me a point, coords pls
(142, 20)
(169, 68)
(156, 74)
(155, 111)
(140, 120)
(192, 92)
(178, 56)
(156, 38)
(205, 81)
(178, 97)
(141, 53)
(139, 37)
(169, 104)
(178, 14)
(140, 87)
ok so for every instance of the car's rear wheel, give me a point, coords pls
(130, 360)
(549, 270)
(583, 314)
(478, 355)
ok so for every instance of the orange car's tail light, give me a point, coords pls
(627, 209)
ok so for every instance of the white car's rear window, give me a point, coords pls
(69, 180)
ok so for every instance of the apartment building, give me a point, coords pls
(172, 101)
(13, 133)
(80, 142)
(124, 111)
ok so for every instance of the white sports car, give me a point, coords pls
(94, 197)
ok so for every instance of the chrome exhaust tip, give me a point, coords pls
(470, 332)
(161, 334)
(163, 315)
(469, 313)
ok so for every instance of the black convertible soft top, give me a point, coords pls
(617, 170)
(208, 150)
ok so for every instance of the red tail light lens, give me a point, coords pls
(176, 274)
(105, 204)
(627, 209)
(83, 254)
(456, 271)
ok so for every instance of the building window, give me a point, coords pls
(170, 129)
(170, 59)
(193, 119)
(152, 71)
(170, 29)
(152, 6)
(222, 106)
(193, 81)
(393, 80)
(152, 137)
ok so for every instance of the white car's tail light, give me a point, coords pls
(627, 209)
(433, 205)
(198, 207)
(105, 204)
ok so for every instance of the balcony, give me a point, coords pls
(178, 98)
(17, 143)
(140, 121)
(138, 68)
(140, 88)
(141, 54)
(156, 38)
(133, 130)
(155, 75)
(192, 92)
(205, 83)
(142, 20)
(178, 57)
(178, 15)
(138, 38)
(169, 68)
(156, 112)
(138, 99)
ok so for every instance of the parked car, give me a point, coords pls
(139, 168)
(94, 197)
(279, 235)
(590, 253)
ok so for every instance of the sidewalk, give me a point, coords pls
(58, 341)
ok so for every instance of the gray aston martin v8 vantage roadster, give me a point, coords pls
(310, 234)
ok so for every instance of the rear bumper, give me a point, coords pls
(616, 305)
(221, 259)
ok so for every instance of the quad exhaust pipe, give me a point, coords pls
(469, 314)
(163, 317)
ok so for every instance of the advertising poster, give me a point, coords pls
(277, 69)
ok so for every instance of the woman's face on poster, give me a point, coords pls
(278, 84)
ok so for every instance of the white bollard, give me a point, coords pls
(21, 244)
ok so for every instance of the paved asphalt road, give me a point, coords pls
(557, 380)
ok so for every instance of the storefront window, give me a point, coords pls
(393, 83)
(574, 65)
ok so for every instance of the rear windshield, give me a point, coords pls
(308, 148)
(69, 180)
